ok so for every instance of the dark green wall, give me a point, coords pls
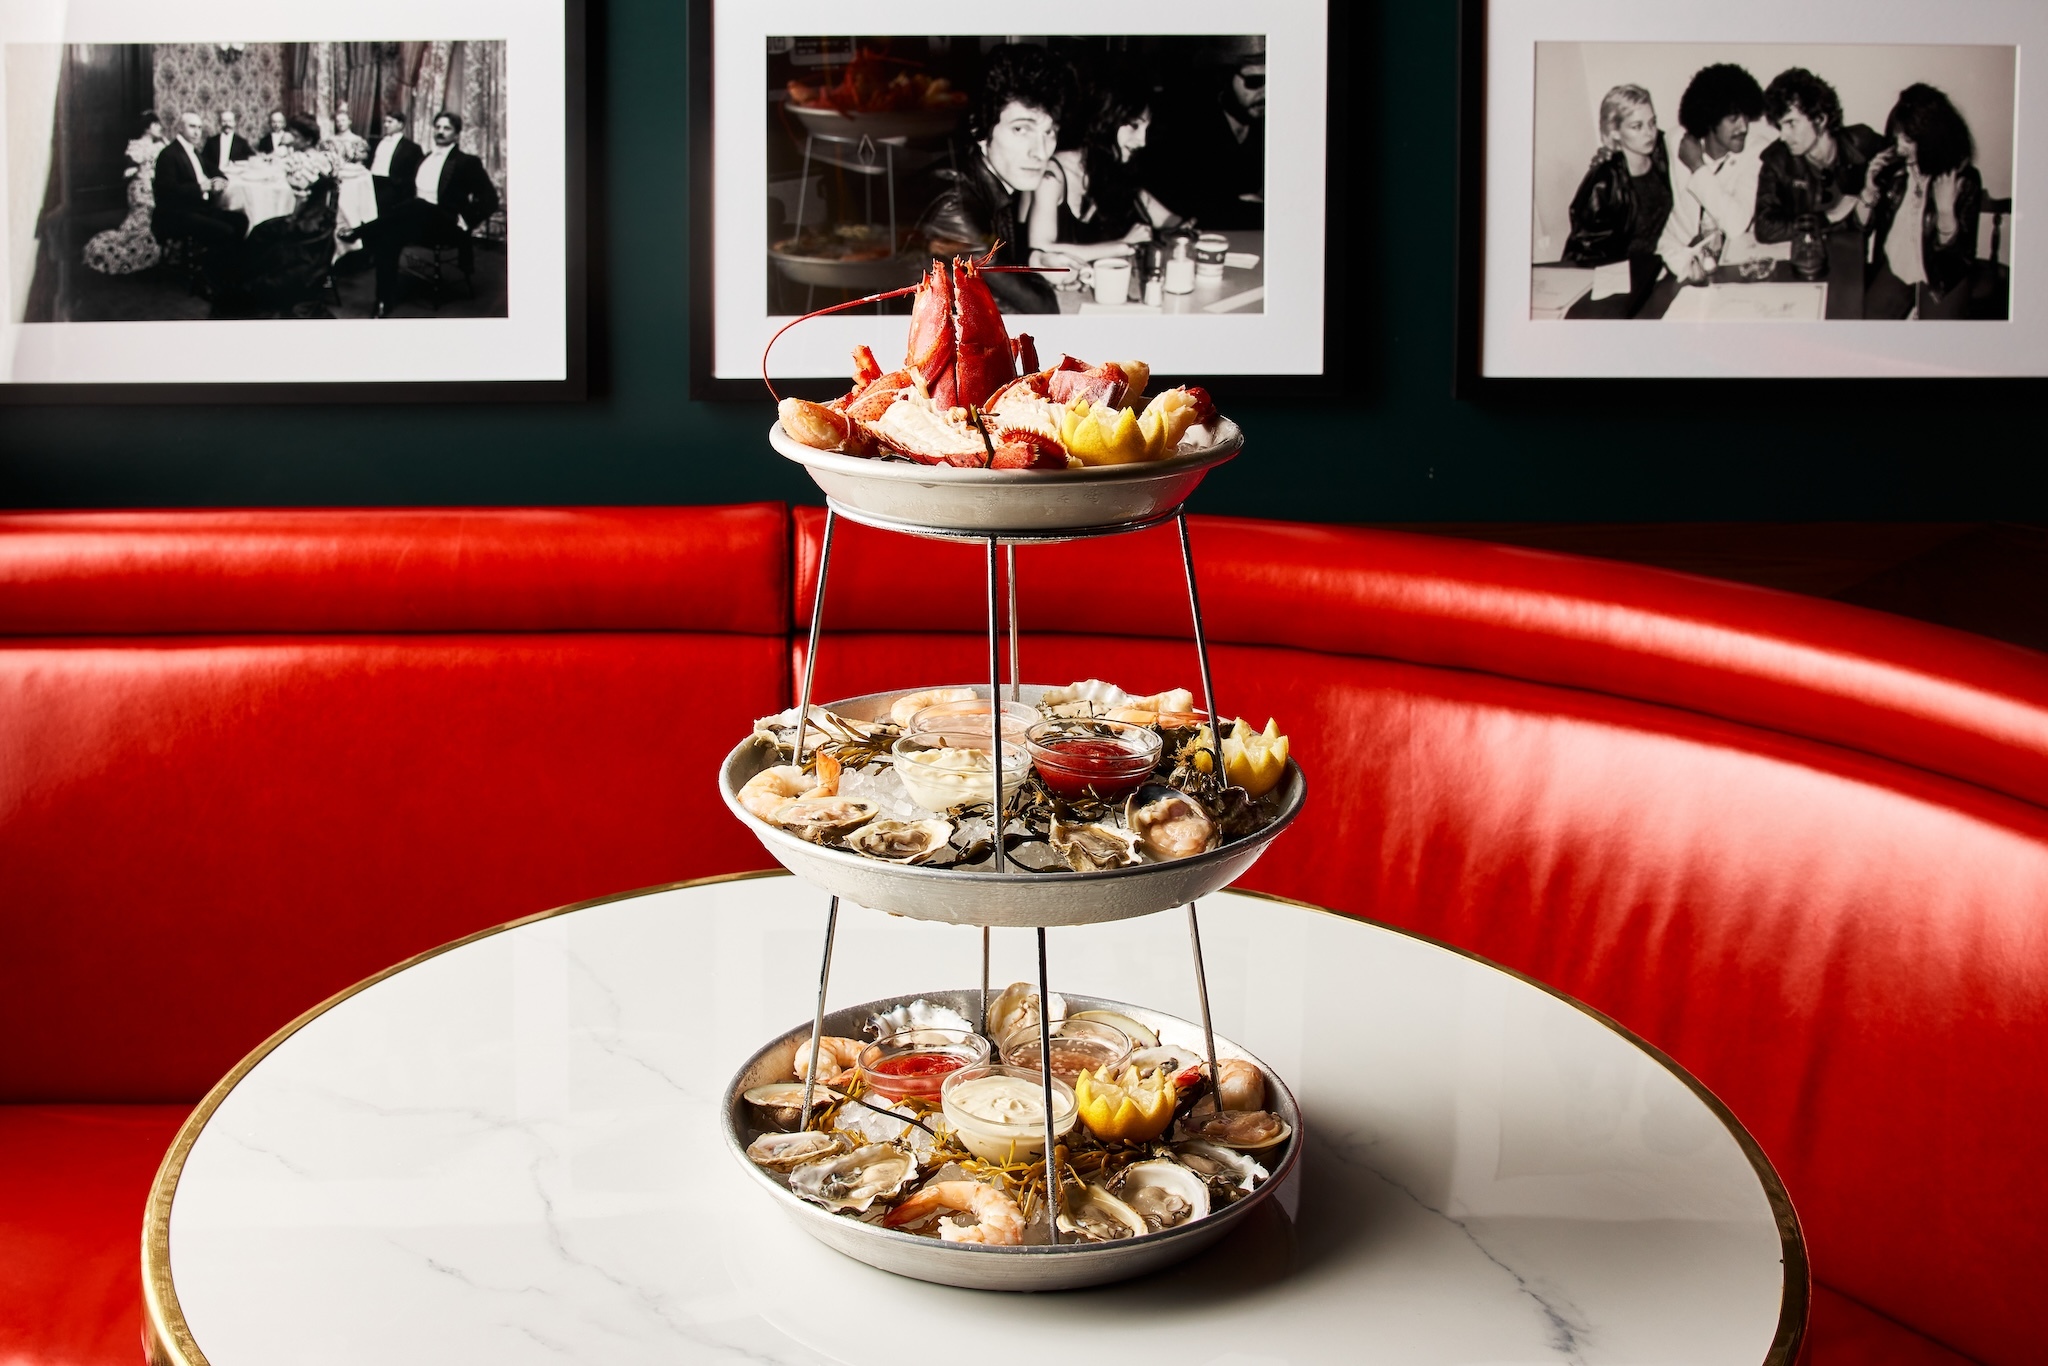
(1396, 447)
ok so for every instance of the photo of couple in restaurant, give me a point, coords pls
(1762, 183)
(1131, 169)
(213, 181)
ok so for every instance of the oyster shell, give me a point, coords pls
(1016, 1007)
(819, 819)
(787, 1152)
(1094, 1215)
(900, 841)
(1171, 1056)
(1164, 1193)
(1092, 848)
(856, 1180)
(1169, 824)
(1139, 1034)
(826, 726)
(918, 1014)
(783, 1101)
(1224, 1166)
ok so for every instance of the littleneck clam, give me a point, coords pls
(855, 1181)
(1245, 1130)
(899, 841)
(1169, 824)
(1164, 1193)
(783, 1101)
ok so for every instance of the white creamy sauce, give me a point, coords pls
(1000, 1100)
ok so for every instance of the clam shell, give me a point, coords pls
(855, 1181)
(784, 1100)
(787, 1152)
(1170, 1056)
(1169, 824)
(1218, 1129)
(1093, 1215)
(1164, 1193)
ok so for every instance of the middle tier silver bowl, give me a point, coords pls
(1029, 1267)
(1015, 897)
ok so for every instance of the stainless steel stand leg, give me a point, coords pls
(1187, 563)
(982, 1023)
(1052, 1180)
(803, 703)
(995, 709)
(1202, 990)
(1016, 669)
(818, 1020)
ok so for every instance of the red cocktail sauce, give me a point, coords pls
(913, 1074)
(1068, 768)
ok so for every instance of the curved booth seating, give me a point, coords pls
(248, 758)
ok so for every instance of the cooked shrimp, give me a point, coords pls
(765, 792)
(997, 1219)
(840, 1057)
(1242, 1085)
(903, 708)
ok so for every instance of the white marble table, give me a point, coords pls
(510, 1152)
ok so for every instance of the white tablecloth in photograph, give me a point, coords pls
(259, 192)
(358, 198)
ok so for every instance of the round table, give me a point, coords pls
(509, 1150)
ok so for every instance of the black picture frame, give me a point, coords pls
(573, 387)
(1469, 382)
(1328, 384)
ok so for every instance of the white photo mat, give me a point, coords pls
(1513, 346)
(529, 344)
(1286, 339)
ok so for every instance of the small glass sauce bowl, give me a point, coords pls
(1076, 756)
(912, 1064)
(944, 769)
(999, 1112)
(1076, 1044)
(970, 717)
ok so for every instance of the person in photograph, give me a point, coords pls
(452, 195)
(393, 165)
(983, 202)
(302, 158)
(1922, 197)
(346, 144)
(188, 205)
(132, 246)
(273, 138)
(1819, 165)
(225, 147)
(1211, 153)
(1714, 184)
(1091, 203)
(1622, 202)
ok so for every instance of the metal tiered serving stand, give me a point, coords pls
(1002, 510)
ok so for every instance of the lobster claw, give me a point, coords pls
(957, 339)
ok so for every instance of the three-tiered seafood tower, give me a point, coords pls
(1043, 1143)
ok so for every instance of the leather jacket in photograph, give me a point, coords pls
(1608, 224)
(1946, 264)
(1789, 188)
(973, 211)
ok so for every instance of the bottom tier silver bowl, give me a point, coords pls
(1065, 1266)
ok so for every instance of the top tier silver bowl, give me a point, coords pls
(1013, 505)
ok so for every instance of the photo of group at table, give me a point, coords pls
(205, 181)
(1133, 168)
(1752, 182)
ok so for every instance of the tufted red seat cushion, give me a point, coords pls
(1849, 950)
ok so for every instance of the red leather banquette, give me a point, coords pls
(248, 758)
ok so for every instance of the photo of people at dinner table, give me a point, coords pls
(202, 181)
(1131, 170)
(1697, 182)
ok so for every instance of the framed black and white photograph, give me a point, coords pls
(1164, 172)
(1819, 191)
(387, 197)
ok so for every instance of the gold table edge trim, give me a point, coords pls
(169, 1339)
